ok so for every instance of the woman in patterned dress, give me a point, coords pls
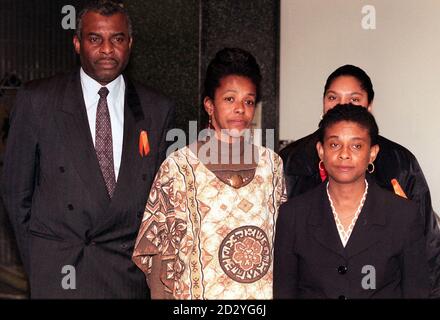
(209, 223)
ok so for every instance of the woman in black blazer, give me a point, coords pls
(348, 238)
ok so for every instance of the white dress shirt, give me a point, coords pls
(115, 102)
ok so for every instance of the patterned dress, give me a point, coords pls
(215, 241)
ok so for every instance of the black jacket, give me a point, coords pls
(384, 258)
(393, 161)
(56, 197)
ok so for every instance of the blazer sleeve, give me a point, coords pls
(20, 170)
(415, 278)
(285, 261)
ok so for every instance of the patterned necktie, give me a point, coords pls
(104, 142)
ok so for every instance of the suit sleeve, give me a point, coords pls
(415, 278)
(285, 260)
(19, 170)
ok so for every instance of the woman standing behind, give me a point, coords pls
(209, 223)
(349, 238)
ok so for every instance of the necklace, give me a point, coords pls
(236, 180)
(345, 234)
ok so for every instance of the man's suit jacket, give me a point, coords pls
(384, 257)
(56, 197)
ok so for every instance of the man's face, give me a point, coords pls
(105, 46)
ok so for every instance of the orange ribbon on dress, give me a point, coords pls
(398, 189)
(144, 146)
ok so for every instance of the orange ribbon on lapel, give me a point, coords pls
(398, 189)
(144, 146)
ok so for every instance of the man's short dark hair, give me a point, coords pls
(351, 113)
(103, 7)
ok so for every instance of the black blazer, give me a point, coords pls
(311, 262)
(56, 197)
(301, 160)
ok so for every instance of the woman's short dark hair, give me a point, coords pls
(352, 113)
(231, 61)
(106, 8)
(356, 72)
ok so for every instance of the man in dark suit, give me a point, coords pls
(82, 153)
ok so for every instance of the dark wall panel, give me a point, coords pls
(176, 39)
(33, 43)
(254, 26)
(166, 51)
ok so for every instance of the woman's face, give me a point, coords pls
(343, 90)
(233, 107)
(346, 151)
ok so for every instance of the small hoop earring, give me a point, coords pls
(368, 167)
(322, 168)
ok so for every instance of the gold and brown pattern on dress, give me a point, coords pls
(208, 209)
(197, 286)
(281, 193)
(161, 232)
(245, 205)
(245, 254)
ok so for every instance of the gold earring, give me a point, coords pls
(368, 167)
(319, 165)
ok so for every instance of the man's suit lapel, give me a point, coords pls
(369, 227)
(74, 127)
(322, 225)
(75, 130)
(135, 121)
